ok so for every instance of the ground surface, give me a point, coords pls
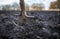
(45, 25)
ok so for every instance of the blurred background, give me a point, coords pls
(30, 5)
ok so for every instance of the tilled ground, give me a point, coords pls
(44, 26)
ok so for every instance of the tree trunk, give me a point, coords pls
(22, 6)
